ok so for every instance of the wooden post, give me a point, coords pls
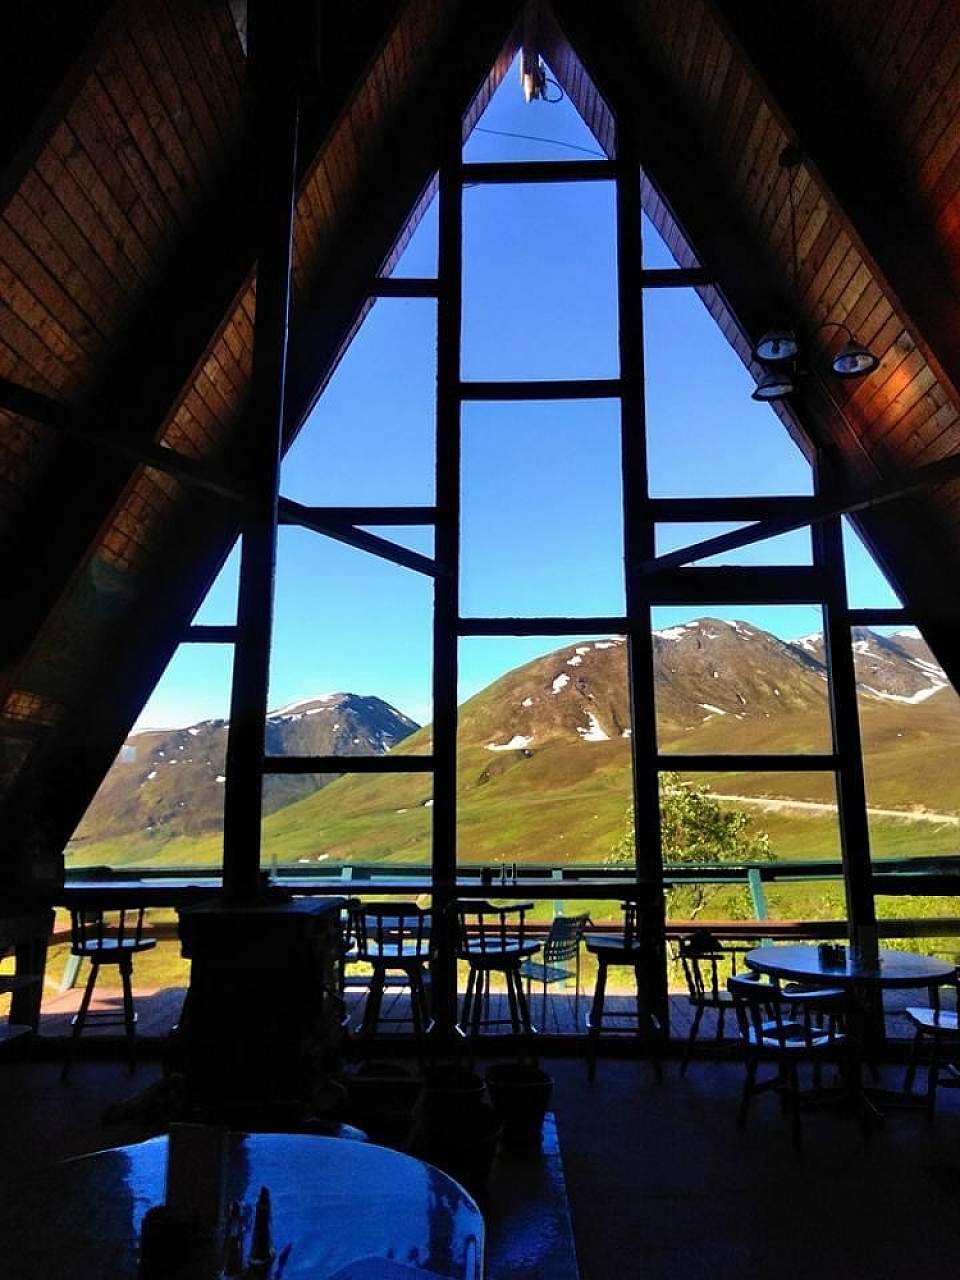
(274, 48)
(446, 599)
(638, 542)
(845, 717)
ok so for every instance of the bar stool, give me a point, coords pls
(394, 936)
(107, 938)
(621, 949)
(494, 940)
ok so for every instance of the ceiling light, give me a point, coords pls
(853, 360)
(774, 384)
(776, 345)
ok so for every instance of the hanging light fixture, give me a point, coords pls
(779, 349)
(774, 384)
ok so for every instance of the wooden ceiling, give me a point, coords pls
(128, 280)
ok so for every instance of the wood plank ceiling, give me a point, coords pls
(128, 284)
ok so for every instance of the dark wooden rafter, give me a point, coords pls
(557, 389)
(818, 511)
(511, 172)
(75, 423)
(217, 248)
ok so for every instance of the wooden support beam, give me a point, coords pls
(732, 585)
(348, 764)
(204, 634)
(512, 172)
(638, 545)
(557, 389)
(674, 278)
(372, 515)
(274, 43)
(697, 510)
(818, 511)
(845, 718)
(881, 617)
(290, 512)
(603, 626)
(86, 429)
(403, 287)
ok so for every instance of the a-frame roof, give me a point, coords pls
(128, 281)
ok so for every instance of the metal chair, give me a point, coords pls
(563, 943)
(494, 940)
(111, 938)
(767, 1035)
(941, 1027)
(393, 936)
(621, 949)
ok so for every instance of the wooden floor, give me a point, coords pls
(158, 1010)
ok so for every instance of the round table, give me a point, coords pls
(351, 1210)
(863, 979)
(884, 969)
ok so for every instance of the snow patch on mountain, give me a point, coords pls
(560, 682)
(595, 732)
(516, 743)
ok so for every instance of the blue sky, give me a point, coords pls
(541, 527)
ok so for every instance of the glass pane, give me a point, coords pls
(656, 253)
(786, 548)
(161, 803)
(539, 281)
(419, 255)
(370, 439)
(541, 520)
(350, 670)
(513, 129)
(744, 680)
(867, 586)
(325, 824)
(219, 606)
(910, 728)
(738, 821)
(543, 751)
(705, 436)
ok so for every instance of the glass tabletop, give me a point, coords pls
(347, 1208)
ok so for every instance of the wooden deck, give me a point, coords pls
(159, 1009)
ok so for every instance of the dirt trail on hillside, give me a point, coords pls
(816, 806)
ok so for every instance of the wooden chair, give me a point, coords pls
(941, 1028)
(107, 938)
(770, 1032)
(494, 940)
(393, 936)
(706, 966)
(562, 944)
(621, 949)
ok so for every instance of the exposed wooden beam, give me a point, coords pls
(732, 585)
(291, 512)
(510, 172)
(881, 617)
(88, 429)
(557, 389)
(697, 510)
(819, 510)
(403, 287)
(673, 278)
(613, 624)
(204, 634)
(374, 515)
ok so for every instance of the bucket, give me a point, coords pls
(455, 1127)
(521, 1095)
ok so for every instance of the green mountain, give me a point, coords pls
(544, 757)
